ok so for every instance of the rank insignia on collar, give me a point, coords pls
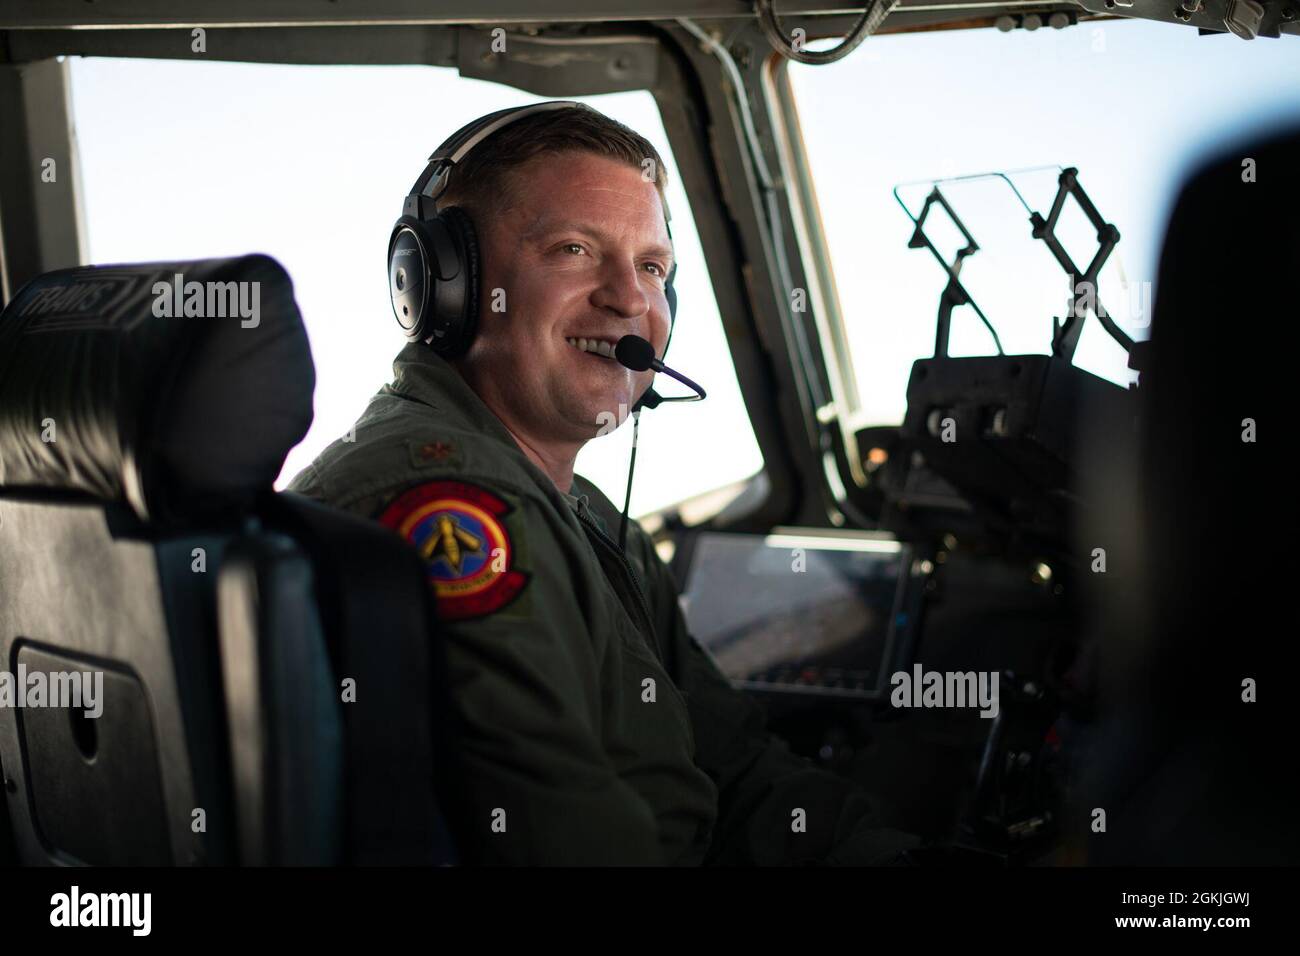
(459, 531)
(425, 454)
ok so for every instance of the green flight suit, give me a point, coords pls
(594, 728)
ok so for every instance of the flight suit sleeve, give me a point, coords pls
(530, 781)
(774, 807)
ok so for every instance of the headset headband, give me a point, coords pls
(433, 181)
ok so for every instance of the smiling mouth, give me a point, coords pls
(593, 346)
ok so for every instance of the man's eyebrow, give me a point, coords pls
(541, 229)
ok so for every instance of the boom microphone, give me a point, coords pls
(637, 354)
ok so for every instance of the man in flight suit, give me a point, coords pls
(591, 727)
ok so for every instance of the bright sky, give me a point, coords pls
(195, 159)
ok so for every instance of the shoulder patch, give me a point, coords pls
(459, 531)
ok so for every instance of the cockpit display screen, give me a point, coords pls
(804, 612)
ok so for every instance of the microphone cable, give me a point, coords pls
(631, 467)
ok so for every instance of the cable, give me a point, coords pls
(631, 466)
(868, 23)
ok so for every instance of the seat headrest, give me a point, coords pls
(176, 387)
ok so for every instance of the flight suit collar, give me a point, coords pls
(421, 374)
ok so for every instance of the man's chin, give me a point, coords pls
(602, 417)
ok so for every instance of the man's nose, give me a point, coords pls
(621, 292)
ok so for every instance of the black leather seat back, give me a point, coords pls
(379, 614)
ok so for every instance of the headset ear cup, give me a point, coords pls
(461, 228)
(411, 277)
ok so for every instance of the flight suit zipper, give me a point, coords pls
(617, 552)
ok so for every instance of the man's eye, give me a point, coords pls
(658, 269)
(568, 246)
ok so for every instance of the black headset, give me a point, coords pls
(433, 254)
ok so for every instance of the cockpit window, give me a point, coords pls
(1130, 104)
(310, 164)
